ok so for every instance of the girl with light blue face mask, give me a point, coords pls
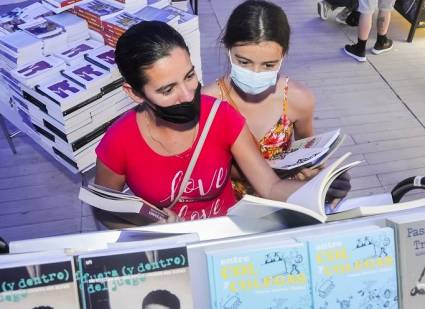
(277, 109)
(251, 82)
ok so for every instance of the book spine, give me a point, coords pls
(113, 28)
(152, 213)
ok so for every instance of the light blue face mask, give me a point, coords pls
(252, 82)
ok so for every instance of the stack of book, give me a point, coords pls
(72, 109)
(59, 6)
(139, 268)
(52, 35)
(62, 86)
(75, 52)
(19, 48)
(10, 21)
(75, 27)
(95, 11)
(115, 26)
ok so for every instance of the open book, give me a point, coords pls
(116, 201)
(304, 206)
(309, 152)
(307, 204)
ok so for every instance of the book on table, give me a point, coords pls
(307, 205)
(304, 206)
(274, 274)
(123, 278)
(309, 152)
(409, 232)
(354, 268)
(116, 201)
(38, 280)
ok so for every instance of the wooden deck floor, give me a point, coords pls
(379, 104)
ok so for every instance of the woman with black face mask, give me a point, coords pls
(150, 148)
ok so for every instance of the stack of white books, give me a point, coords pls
(52, 35)
(10, 21)
(72, 119)
(19, 48)
(95, 11)
(75, 52)
(115, 26)
(59, 6)
(76, 27)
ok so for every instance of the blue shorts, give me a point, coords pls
(369, 6)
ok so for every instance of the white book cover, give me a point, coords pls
(54, 43)
(104, 57)
(88, 75)
(41, 28)
(21, 42)
(73, 54)
(38, 70)
(70, 22)
(62, 91)
(308, 152)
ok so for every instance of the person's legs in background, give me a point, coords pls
(383, 44)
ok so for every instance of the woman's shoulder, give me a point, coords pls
(300, 97)
(124, 122)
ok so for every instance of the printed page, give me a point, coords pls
(311, 194)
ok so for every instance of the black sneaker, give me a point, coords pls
(353, 19)
(352, 51)
(382, 48)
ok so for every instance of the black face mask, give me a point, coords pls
(180, 113)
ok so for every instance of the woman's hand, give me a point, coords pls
(172, 217)
(338, 189)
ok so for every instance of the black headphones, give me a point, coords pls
(406, 185)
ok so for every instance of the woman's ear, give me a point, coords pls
(132, 94)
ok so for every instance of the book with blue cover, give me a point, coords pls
(276, 276)
(354, 269)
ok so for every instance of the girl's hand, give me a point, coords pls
(307, 173)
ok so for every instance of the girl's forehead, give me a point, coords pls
(263, 49)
